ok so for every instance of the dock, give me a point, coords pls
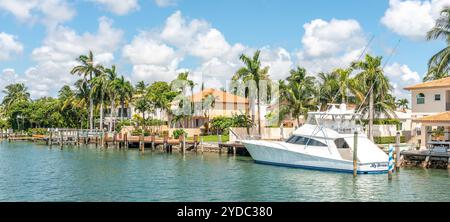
(432, 158)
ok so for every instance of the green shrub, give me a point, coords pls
(388, 139)
(138, 132)
(177, 133)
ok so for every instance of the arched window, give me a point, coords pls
(420, 98)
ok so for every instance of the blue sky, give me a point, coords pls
(152, 40)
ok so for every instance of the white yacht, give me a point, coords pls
(324, 142)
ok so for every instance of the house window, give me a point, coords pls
(437, 97)
(420, 98)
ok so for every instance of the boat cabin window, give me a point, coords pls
(341, 143)
(300, 140)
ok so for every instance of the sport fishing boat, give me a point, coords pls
(324, 142)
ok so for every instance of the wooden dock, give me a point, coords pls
(426, 158)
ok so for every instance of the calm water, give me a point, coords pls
(30, 172)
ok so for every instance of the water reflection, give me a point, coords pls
(32, 172)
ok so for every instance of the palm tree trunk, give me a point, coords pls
(112, 120)
(259, 114)
(371, 111)
(101, 113)
(122, 107)
(91, 113)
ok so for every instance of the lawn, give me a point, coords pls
(213, 138)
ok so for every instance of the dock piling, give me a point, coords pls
(397, 152)
(355, 154)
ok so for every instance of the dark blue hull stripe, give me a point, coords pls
(320, 168)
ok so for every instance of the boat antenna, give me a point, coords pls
(376, 78)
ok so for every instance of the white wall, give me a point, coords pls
(430, 105)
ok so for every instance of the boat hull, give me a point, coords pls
(288, 158)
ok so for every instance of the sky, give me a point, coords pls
(153, 40)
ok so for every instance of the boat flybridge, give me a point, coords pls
(324, 142)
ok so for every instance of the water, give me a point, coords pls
(31, 172)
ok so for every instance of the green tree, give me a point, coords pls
(252, 71)
(372, 82)
(88, 69)
(438, 63)
(100, 91)
(14, 93)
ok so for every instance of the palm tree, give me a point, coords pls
(434, 73)
(14, 93)
(328, 88)
(100, 91)
(402, 104)
(343, 76)
(372, 82)
(253, 71)
(438, 63)
(298, 94)
(112, 88)
(87, 68)
(181, 81)
(124, 92)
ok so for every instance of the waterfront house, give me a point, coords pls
(211, 103)
(430, 112)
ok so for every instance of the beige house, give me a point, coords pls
(211, 103)
(430, 106)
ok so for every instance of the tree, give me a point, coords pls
(100, 91)
(298, 94)
(14, 93)
(438, 63)
(88, 68)
(252, 71)
(124, 92)
(328, 88)
(181, 82)
(372, 82)
(162, 96)
(402, 104)
(113, 86)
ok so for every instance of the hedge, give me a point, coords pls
(388, 139)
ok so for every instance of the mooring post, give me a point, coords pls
(391, 162)
(184, 143)
(165, 143)
(153, 141)
(51, 139)
(180, 142)
(114, 139)
(125, 139)
(195, 142)
(201, 143)
(397, 152)
(78, 138)
(61, 138)
(355, 154)
(141, 142)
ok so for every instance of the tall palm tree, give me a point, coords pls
(182, 81)
(112, 88)
(88, 69)
(252, 71)
(124, 92)
(440, 61)
(372, 82)
(100, 92)
(343, 78)
(14, 93)
(328, 88)
(402, 104)
(298, 94)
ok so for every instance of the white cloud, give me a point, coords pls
(121, 7)
(8, 76)
(412, 18)
(145, 49)
(279, 60)
(165, 3)
(401, 76)
(59, 51)
(49, 12)
(9, 46)
(329, 45)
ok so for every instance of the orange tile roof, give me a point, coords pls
(220, 96)
(441, 117)
(444, 82)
